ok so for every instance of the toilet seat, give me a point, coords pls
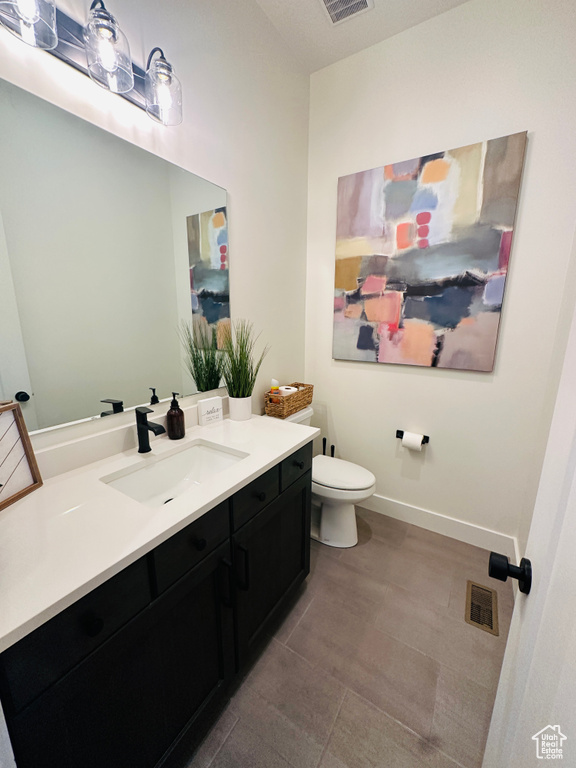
(341, 475)
(355, 496)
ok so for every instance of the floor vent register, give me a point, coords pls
(482, 607)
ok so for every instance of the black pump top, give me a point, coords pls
(174, 403)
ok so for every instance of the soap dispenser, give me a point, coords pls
(175, 420)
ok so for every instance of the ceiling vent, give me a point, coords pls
(341, 10)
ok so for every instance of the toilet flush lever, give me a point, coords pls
(499, 568)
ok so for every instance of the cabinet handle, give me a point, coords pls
(244, 584)
(225, 587)
(260, 496)
(199, 544)
(91, 624)
(299, 464)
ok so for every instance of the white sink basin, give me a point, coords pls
(159, 479)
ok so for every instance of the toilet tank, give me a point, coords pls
(301, 417)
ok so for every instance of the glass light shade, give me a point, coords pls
(108, 52)
(33, 21)
(163, 93)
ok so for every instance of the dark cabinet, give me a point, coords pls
(185, 549)
(195, 645)
(46, 655)
(295, 466)
(255, 496)
(271, 558)
(103, 712)
(135, 673)
(150, 686)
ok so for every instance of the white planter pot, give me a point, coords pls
(240, 408)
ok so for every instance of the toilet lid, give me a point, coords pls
(336, 473)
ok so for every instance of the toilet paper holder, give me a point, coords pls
(400, 435)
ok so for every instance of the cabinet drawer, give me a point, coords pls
(295, 466)
(184, 550)
(250, 500)
(45, 655)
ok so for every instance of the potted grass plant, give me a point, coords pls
(241, 368)
(203, 359)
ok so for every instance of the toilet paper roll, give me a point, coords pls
(412, 441)
(288, 390)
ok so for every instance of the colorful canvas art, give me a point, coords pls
(422, 252)
(208, 261)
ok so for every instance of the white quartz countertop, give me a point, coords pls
(75, 532)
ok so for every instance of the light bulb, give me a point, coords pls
(107, 52)
(28, 11)
(164, 99)
(106, 49)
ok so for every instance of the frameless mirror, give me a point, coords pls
(95, 264)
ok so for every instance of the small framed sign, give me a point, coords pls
(19, 473)
(210, 410)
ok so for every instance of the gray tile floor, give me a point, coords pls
(374, 665)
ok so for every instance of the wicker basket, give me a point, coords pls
(289, 404)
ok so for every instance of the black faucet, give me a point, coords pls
(117, 406)
(143, 425)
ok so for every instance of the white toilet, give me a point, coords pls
(336, 486)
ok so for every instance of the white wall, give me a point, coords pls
(245, 128)
(485, 69)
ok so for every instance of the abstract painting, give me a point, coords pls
(422, 252)
(208, 262)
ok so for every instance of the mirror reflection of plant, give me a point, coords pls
(240, 367)
(204, 361)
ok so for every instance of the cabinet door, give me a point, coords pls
(144, 688)
(105, 712)
(271, 558)
(196, 638)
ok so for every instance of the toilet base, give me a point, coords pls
(335, 525)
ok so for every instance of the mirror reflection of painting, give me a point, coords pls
(422, 255)
(209, 275)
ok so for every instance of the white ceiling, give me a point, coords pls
(316, 42)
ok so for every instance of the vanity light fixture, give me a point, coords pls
(107, 51)
(163, 91)
(33, 21)
(100, 50)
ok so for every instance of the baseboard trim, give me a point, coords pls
(447, 526)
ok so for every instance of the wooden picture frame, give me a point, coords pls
(19, 473)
